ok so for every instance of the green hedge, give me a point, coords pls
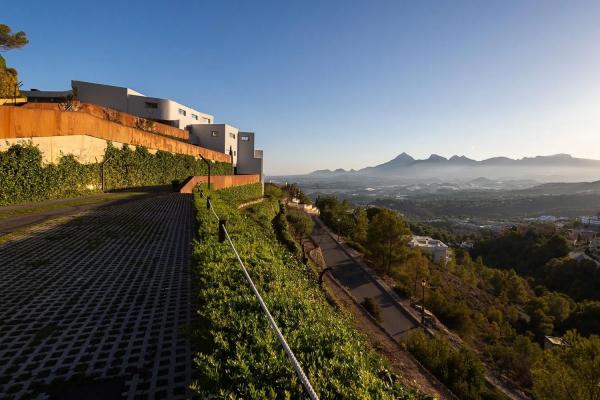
(238, 354)
(127, 168)
(24, 178)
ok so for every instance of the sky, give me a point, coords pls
(340, 84)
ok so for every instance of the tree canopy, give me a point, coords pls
(10, 40)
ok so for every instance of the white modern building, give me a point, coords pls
(203, 131)
(250, 160)
(435, 248)
(218, 137)
(128, 101)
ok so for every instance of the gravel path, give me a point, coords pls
(93, 306)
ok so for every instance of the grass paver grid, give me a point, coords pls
(106, 295)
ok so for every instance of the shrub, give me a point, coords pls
(303, 224)
(372, 308)
(461, 370)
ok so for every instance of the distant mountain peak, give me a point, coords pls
(435, 157)
(403, 157)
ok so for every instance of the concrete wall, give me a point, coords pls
(26, 123)
(224, 139)
(120, 117)
(246, 162)
(219, 181)
(86, 149)
(103, 95)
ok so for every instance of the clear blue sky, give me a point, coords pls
(328, 84)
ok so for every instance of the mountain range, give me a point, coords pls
(554, 168)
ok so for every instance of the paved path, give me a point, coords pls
(55, 208)
(349, 273)
(93, 307)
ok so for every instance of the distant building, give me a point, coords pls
(435, 248)
(581, 236)
(593, 221)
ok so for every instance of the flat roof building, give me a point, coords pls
(126, 100)
(203, 131)
(437, 249)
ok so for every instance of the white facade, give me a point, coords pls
(435, 248)
(132, 102)
(218, 137)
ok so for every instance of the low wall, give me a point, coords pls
(219, 181)
(27, 123)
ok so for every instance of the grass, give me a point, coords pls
(41, 207)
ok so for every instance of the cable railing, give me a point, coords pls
(224, 234)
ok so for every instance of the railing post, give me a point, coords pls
(222, 223)
(208, 203)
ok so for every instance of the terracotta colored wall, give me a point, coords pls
(22, 122)
(122, 118)
(220, 181)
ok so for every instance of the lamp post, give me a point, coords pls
(208, 165)
(17, 86)
(423, 284)
(102, 167)
(338, 228)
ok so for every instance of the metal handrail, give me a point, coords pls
(303, 378)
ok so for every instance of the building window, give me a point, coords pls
(207, 120)
(194, 116)
(245, 138)
(182, 112)
(232, 135)
(150, 104)
(214, 134)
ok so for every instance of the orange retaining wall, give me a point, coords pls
(21, 122)
(121, 117)
(219, 181)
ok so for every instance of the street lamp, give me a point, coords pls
(338, 228)
(102, 170)
(208, 164)
(423, 284)
(17, 86)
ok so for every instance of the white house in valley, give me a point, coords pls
(435, 248)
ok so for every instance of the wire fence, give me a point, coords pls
(303, 378)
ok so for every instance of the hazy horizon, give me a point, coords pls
(341, 84)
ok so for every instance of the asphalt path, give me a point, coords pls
(350, 274)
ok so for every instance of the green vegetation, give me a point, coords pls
(301, 223)
(459, 369)
(8, 76)
(569, 372)
(24, 178)
(294, 191)
(495, 310)
(282, 229)
(239, 355)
